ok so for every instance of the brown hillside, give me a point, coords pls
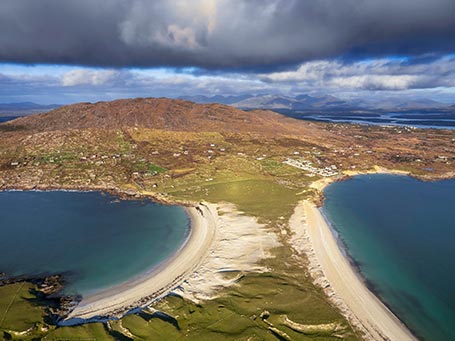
(151, 142)
(161, 113)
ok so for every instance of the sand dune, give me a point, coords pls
(240, 243)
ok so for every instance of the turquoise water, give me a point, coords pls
(400, 233)
(95, 240)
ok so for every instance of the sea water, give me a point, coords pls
(93, 239)
(400, 234)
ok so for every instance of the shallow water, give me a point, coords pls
(94, 239)
(400, 232)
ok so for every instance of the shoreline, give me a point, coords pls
(320, 184)
(160, 281)
(202, 258)
(335, 274)
(123, 194)
(112, 304)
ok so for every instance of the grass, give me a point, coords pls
(279, 169)
(143, 328)
(123, 145)
(86, 332)
(260, 198)
(145, 166)
(152, 168)
(57, 158)
(19, 310)
(236, 313)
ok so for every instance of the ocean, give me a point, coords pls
(8, 118)
(93, 239)
(400, 233)
(418, 119)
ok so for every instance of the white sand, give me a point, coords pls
(319, 185)
(240, 243)
(159, 282)
(333, 272)
(218, 243)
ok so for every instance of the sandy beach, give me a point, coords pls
(160, 281)
(319, 185)
(239, 245)
(343, 285)
(229, 241)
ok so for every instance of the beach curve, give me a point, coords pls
(334, 273)
(161, 280)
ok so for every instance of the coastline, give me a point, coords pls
(229, 241)
(199, 274)
(332, 271)
(319, 185)
(157, 283)
(195, 271)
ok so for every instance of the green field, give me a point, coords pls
(21, 313)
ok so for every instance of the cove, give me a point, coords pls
(399, 233)
(93, 239)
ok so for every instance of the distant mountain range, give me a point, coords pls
(284, 104)
(301, 102)
(201, 99)
(318, 103)
(24, 108)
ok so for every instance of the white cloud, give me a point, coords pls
(377, 74)
(90, 77)
(361, 78)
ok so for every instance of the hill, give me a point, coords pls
(163, 114)
(160, 133)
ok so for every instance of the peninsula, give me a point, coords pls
(250, 262)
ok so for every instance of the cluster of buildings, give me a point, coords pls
(306, 165)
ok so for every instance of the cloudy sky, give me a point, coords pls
(54, 51)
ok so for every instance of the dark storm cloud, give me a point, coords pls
(220, 34)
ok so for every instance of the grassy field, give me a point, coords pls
(276, 201)
(20, 312)
(91, 331)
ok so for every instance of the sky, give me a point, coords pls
(54, 51)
